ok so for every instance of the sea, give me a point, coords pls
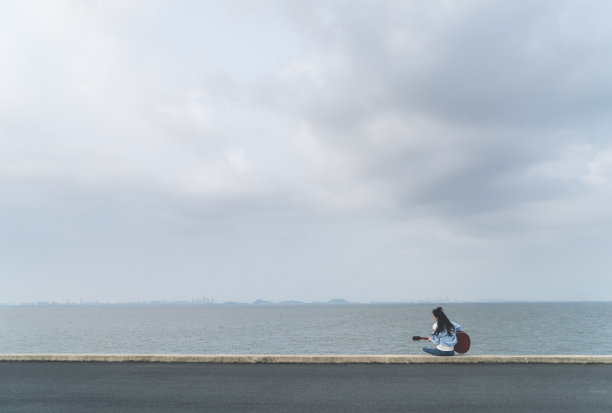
(495, 328)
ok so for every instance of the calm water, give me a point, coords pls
(516, 328)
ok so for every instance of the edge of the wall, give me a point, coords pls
(309, 358)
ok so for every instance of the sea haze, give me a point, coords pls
(495, 328)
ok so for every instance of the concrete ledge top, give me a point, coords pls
(310, 359)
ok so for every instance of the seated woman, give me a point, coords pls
(444, 335)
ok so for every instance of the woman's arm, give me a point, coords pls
(457, 326)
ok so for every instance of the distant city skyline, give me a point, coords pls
(259, 302)
(305, 150)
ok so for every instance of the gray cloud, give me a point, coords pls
(497, 87)
(304, 150)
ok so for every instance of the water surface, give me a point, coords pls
(509, 328)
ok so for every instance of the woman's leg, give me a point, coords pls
(436, 352)
(431, 350)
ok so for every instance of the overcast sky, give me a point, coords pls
(306, 150)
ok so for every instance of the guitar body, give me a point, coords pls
(463, 342)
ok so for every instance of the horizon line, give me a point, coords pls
(260, 302)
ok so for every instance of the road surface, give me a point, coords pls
(184, 387)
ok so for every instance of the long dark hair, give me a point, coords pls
(443, 322)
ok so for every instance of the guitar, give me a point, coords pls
(463, 341)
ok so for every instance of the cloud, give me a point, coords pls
(242, 133)
(87, 106)
(453, 108)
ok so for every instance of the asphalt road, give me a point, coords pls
(179, 387)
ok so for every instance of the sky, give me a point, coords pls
(305, 150)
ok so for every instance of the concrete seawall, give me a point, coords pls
(309, 359)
